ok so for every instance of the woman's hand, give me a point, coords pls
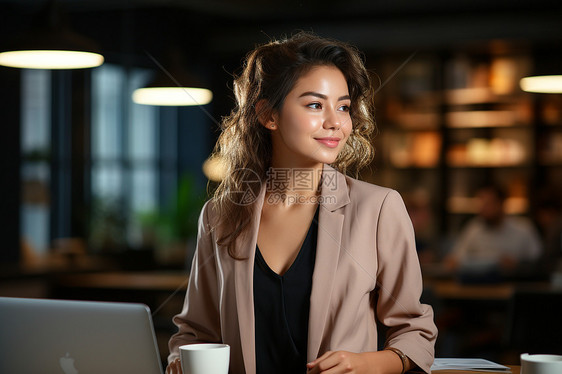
(338, 362)
(357, 363)
(174, 367)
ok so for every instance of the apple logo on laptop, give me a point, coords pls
(67, 364)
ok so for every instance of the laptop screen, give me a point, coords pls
(70, 337)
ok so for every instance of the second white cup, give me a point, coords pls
(205, 358)
(541, 364)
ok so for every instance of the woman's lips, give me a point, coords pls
(329, 142)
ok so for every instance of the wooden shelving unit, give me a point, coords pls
(451, 122)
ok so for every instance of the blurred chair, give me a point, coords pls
(28, 254)
(67, 252)
(535, 322)
(70, 247)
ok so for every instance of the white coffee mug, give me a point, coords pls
(541, 364)
(205, 358)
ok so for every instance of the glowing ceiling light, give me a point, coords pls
(50, 44)
(542, 84)
(50, 59)
(214, 168)
(172, 96)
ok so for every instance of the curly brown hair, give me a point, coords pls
(270, 72)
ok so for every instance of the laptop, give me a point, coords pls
(76, 337)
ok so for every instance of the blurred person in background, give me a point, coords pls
(494, 245)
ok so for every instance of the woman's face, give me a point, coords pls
(314, 121)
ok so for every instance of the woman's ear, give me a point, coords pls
(266, 116)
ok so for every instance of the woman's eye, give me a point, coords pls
(344, 108)
(314, 106)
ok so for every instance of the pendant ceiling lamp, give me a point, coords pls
(542, 84)
(173, 86)
(214, 168)
(50, 44)
(547, 76)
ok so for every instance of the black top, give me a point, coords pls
(281, 308)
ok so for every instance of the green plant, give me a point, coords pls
(177, 220)
(108, 225)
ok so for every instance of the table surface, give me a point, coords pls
(155, 281)
(514, 369)
(450, 289)
(172, 280)
(169, 281)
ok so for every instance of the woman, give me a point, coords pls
(296, 261)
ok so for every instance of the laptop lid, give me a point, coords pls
(76, 337)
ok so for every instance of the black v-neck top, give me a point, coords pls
(281, 309)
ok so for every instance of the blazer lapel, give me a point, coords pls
(330, 222)
(244, 280)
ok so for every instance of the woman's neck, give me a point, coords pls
(293, 183)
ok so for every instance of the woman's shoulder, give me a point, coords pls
(368, 201)
(359, 189)
(339, 181)
(208, 215)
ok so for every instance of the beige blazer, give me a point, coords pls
(366, 270)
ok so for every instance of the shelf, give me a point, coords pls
(482, 152)
(522, 126)
(469, 205)
(551, 113)
(481, 118)
(478, 128)
(489, 166)
(411, 168)
(417, 121)
(477, 95)
(413, 149)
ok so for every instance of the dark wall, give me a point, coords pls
(9, 165)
